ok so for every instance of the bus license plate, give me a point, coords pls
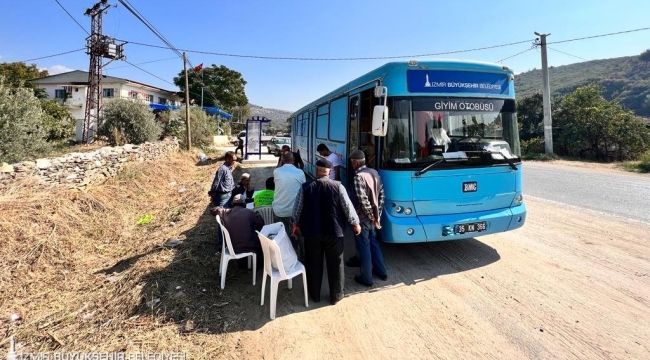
(470, 227)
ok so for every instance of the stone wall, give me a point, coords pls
(77, 170)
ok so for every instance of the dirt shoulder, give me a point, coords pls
(569, 284)
(83, 276)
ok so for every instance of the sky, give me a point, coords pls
(399, 30)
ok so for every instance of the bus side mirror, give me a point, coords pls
(380, 120)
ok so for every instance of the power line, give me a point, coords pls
(141, 63)
(377, 57)
(597, 36)
(53, 55)
(72, 17)
(156, 76)
(140, 17)
(517, 54)
(562, 52)
(330, 59)
(153, 29)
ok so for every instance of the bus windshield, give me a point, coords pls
(421, 130)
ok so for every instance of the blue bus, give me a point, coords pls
(443, 136)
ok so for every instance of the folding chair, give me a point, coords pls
(271, 249)
(266, 212)
(228, 253)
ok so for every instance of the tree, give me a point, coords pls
(22, 135)
(530, 114)
(202, 126)
(58, 120)
(126, 121)
(222, 87)
(645, 56)
(589, 126)
(17, 75)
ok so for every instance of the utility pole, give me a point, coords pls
(187, 104)
(546, 95)
(98, 46)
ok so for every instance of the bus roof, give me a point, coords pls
(382, 71)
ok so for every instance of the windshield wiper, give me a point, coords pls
(446, 157)
(429, 167)
(507, 159)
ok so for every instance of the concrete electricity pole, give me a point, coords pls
(546, 95)
(187, 104)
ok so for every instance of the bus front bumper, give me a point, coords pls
(448, 227)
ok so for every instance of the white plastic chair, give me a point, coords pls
(228, 253)
(270, 248)
(266, 212)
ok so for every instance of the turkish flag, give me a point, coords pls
(198, 68)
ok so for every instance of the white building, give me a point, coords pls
(71, 89)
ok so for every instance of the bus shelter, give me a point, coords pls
(254, 136)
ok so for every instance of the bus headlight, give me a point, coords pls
(410, 231)
(408, 211)
(519, 199)
(399, 209)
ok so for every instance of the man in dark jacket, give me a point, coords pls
(321, 208)
(241, 224)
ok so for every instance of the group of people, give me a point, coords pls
(314, 213)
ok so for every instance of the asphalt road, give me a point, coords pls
(604, 190)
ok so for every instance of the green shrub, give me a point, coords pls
(171, 122)
(126, 121)
(533, 146)
(202, 127)
(22, 134)
(644, 165)
(58, 120)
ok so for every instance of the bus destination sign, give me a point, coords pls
(440, 81)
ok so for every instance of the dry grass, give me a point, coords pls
(80, 272)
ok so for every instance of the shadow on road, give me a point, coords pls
(187, 291)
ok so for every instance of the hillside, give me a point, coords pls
(624, 79)
(278, 117)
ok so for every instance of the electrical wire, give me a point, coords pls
(135, 13)
(517, 54)
(378, 57)
(562, 52)
(72, 17)
(154, 75)
(53, 55)
(597, 36)
(329, 59)
(141, 63)
(153, 29)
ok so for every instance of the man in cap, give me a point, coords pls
(241, 223)
(243, 188)
(321, 208)
(368, 200)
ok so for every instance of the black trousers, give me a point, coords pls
(331, 248)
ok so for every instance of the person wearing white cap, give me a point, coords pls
(243, 188)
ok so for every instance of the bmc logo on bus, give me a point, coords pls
(470, 186)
